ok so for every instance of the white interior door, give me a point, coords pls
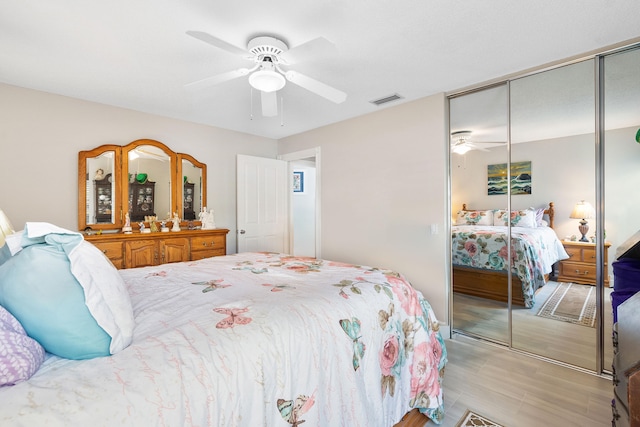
(262, 204)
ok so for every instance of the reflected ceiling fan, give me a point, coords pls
(461, 142)
(269, 55)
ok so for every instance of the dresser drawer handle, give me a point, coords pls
(104, 251)
(205, 243)
(585, 273)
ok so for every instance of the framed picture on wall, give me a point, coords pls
(520, 178)
(298, 182)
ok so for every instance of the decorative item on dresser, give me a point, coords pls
(581, 265)
(583, 211)
(141, 250)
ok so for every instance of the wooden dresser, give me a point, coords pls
(141, 250)
(581, 265)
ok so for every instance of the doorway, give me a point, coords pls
(304, 202)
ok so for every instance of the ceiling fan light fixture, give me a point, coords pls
(461, 149)
(267, 80)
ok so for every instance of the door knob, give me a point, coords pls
(242, 231)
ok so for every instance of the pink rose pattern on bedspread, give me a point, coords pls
(313, 341)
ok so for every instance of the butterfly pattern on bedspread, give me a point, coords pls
(263, 339)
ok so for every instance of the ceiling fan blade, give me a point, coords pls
(217, 79)
(476, 147)
(308, 51)
(214, 41)
(319, 88)
(269, 103)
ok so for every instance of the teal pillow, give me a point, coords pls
(38, 288)
(5, 253)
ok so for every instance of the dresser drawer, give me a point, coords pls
(589, 255)
(139, 250)
(578, 271)
(196, 255)
(575, 254)
(208, 243)
(113, 251)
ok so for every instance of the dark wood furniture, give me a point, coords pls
(141, 200)
(103, 191)
(187, 204)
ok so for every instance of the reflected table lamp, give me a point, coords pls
(583, 211)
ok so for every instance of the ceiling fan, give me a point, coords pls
(269, 55)
(461, 142)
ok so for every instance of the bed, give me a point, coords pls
(479, 253)
(252, 339)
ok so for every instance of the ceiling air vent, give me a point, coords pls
(386, 99)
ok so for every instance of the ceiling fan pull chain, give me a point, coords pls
(250, 102)
(281, 111)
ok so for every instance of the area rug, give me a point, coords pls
(471, 419)
(573, 303)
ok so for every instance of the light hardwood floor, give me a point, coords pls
(573, 344)
(520, 391)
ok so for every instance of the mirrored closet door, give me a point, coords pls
(478, 123)
(562, 140)
(553, 129)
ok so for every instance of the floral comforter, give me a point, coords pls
(254, 339)
(533, 252)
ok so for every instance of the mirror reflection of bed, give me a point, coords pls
(480, 253)
(555, 318)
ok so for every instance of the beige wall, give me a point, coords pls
(41, 134)
(384, 183)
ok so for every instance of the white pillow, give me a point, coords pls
(519, 218)
(105, 293)
(474, 218)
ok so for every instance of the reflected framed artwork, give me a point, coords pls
(298, 182)
(520, 178)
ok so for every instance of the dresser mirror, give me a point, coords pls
(98, 187)
(142, 178)
(149, 177)
(193, 175)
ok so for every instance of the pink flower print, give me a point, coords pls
(424, 371)
(503, 253)
(340, 264)
(471, 248)
(389, 355)
(406, 295)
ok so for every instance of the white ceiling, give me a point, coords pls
(136, 54)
